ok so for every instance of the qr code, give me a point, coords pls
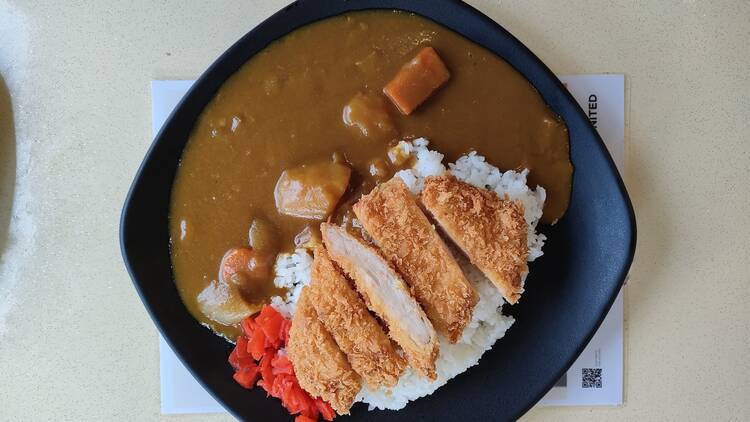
(592, 378)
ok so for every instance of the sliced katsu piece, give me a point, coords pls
(359, 335)
(320, 366)
(387, 295)
(490, 230)
(390, 215)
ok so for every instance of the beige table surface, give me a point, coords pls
(75, 341)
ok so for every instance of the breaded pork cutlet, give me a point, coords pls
(490, 230)
(320, 366)
(358, 334)
(387, 295)
(390, 215)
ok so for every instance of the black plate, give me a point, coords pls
(569, 291)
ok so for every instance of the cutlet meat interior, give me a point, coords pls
(386, 294)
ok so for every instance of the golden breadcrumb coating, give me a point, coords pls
(320, 366)
(358, 334)
(390, 215)
(387, 295)
(490, 230)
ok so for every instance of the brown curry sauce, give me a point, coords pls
(286, 108)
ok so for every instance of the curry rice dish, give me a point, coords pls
(309, 191)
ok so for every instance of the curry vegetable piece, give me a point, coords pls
(251, 263)
(368, 114)
(311, 191)
(417, 80)
(244, 276)
(262, 236)
(222, 302)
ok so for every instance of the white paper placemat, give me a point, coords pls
(594, 379)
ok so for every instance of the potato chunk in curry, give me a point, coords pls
(222, 302)
(312, 190)
(368, 114)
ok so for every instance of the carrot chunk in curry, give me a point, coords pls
(417, 80)
(312, 190)
(241, 264)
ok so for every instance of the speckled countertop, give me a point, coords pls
(75, 341)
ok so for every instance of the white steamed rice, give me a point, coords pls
(292, 273)
(488, 324)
